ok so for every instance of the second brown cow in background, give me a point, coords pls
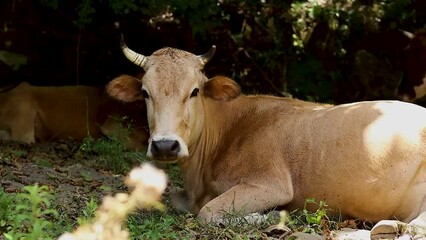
(36, 114)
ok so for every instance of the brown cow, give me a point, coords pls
(413, 83)
(32, 113)
(251, 153)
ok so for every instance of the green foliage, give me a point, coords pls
(121, 7)
(14, 60)
(314, 219)
(6, 207)
(198, 13)
(31, 216)
(296, 47)
(397, 11)
(85, 12)
(311, 222)
(287, 46)
(50, 3)
(308, 80)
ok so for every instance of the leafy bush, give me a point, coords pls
(302, 48)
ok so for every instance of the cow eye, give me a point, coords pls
(195, 92)
(145, 94)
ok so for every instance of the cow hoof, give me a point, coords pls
(255, 218)
(231, 219)
(388, 229)
(180, 200)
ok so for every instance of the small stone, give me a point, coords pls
(351, 234)
(388, 229)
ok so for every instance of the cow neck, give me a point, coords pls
(217, 118)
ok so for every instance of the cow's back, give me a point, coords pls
(67, 112)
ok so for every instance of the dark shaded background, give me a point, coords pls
(329, 51)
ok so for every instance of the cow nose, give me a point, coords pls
(165, 148)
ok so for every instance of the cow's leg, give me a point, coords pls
(245, 199)
(180, 200)
(23, 133)
(41, 132)
(19, 117)
(22, 127)
(5, 133)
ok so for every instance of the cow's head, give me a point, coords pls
(413, 83)
(174, 88)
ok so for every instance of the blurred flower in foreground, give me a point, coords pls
(147, 184)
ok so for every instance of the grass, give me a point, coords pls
(34, 214)
(112, 154)
(174, 225)
(88, 213)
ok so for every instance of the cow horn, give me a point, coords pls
(207, 56)
(133, 56)
(407, 34)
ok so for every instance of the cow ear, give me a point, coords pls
(125, 88)
(221, 89)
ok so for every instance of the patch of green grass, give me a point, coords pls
(43, 162)
(176, 225)
(88, 213)
(153, 225)
(12, 154)
(112, 154)
(173, 173)
(172, 224)
(19, 153)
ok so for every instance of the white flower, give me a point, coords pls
(149, 176)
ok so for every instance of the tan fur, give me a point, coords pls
(366, 160)
(32, 113)
(219, 88)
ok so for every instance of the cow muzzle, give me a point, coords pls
(167, 149)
